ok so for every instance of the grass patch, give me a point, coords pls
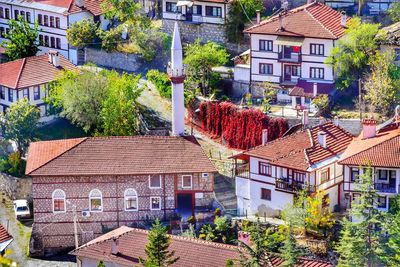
(60, 129)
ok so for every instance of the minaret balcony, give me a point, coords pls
(176, 75)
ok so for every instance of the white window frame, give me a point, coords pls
(151, 200)
(126, 198)
(191, 181)
(63, 198)
(90, 200)
(151, 187)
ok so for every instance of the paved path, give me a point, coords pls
(21, 233)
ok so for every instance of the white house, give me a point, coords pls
(305, 158)
(203, 19)
(54, 18)
(290, 50)
(30, 77)
(378, 146)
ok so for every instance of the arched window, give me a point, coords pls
(95, 200)
(58, 197)
(131, 199)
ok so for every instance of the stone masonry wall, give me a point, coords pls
(15, 188)
(54, 231)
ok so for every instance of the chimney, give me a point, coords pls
(80, 3)
(305, 118)
(321, 120)
(258, 16)
(264, 137)
(343, 19)
(54, 58)
(322, 139)
(310, 1)
(336, 120)
(369, 128)
(315, 89)
(114, 246)
(281, 22)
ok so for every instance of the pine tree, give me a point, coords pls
(351, 246)
(290, 251)
(390, 254)
(157, 248)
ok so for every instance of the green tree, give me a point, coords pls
(82, 33)
(318, 217)
(394, 12)
(20, 123)
(80, 95)
(125, 11)
(351, 246)
(200, 59)
(240, 13)
(321, 102)
(119, 114)
(381, 87)
(157, 248)
(101, 264)
(352, 56)
(220, 231)
(290, 251)
(390, 254)
(22, 39)
(256, 253)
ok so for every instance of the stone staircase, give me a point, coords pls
(224, 188)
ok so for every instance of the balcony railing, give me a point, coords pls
(386, 188)
(243, 171)
(290, 185)
(292, 57)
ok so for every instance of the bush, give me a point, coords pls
(161, 82)
(13, 164)
(191, 220)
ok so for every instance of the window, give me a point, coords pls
(155, 203)
(58, 197)
(186, 181)
(264, 168)
(131, 200)
(36, 93)
(46, 20)
(324, 175)
(16, 14)
(155, 181)
(299, 177)
(1, 12)
(382, 202)
(266, 68)
(354, 173)
(51, 21)
(171, 7)
(296, 70)
(46, 41)
(58, 23)
(2, 32)
(7, 30)
(58, 43)
(386, 174)
(28, 17)
(25, 93)
(316, 73)
(41, 40)
(213, 11)
(52, 42)
(317, 49)
(22, 14)
(265, 194)
(2, 92)
(266, 45)
(197, 10)
(7, 13)
(40, 20)
(10, 95)
(95, 200)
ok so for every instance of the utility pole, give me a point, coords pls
(75, 228)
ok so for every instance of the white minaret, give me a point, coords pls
(177, 76)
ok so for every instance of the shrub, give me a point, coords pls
(161, 82)
(13, 164)
(217, 212)
(191, 220)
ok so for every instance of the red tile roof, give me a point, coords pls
(57, 3)
(192, 252)
(301, 149)
(93, 6)
(314, 20)
(31, 71)
(383, 150)
(4, 235)
(305, 88)
(130, 155)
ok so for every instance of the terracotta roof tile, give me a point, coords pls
(31, 71)
(118, 156)
(383, 150)
(314, 20)
(301, 149)
(192, 252)
(4, 235)
(93, 6)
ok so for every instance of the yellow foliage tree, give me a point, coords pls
(318, 215)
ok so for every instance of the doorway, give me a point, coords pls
(185, 205)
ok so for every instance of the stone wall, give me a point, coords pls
(15, 188)
(53, 232)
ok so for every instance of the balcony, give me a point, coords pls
(243, 171)
(289, 57)
(290, 185)
(386, 188)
